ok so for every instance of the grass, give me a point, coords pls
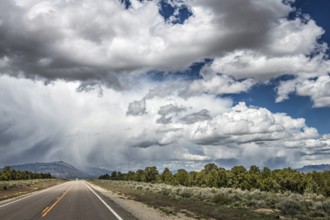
(223, 203)
(14, 188)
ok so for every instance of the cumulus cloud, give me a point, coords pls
(317, 89)
(137, 108)
(249, 124)
(97, 61)
(217, 84)
(83, 128)
(167, 112)
(85, 40)
(202, 115)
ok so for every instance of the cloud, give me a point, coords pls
(170, 108)
(86, 40)
(93, 64)
(243, 64)
(137, 108)
(167, 112)
(86, 129)
(218, 84)
(202, 115)
(317, 89)
(248, 124)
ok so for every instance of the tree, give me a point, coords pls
(238, 178)
(113, 175)
(105, 177)
(140, 176)
(182, 177)
(266, 172)
(253, 177)
(167, 176)
(209, 167)
(151, 173)
(222, 178)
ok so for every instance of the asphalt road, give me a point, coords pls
(68, 201)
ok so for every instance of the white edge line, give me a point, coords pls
(113, 211)
(17, 200)
(28, 196)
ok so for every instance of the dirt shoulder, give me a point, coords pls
(15, 188)
(141, 210)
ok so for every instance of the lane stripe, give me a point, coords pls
(104, 203)
(28, 196)
(47, 210)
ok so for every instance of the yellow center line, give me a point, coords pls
(45, 210)
(48, 209)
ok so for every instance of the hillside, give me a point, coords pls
(96, 171)
(58, 169)
(311, 168)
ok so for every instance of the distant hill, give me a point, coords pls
(96, 171)
(311, 168)
(58, 169)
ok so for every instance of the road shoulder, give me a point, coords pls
(137, 209)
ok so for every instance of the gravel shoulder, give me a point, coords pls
(139, 210)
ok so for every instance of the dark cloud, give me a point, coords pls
(137, 108)
(38, 151)
(170, 108)
(167, 112)
(64, 40)
(276, 162)
(145, 144)
(164, 120)
(213, 140)
(247, 22)
(202, 115)
(102, 48)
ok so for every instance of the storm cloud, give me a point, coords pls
(103, 83)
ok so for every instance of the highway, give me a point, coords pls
(68, 201)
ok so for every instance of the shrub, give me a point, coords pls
(326, 206)
(222, 199)
(290, 207)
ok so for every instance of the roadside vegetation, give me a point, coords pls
(222, 203)
(228, 194)
(14, 188)
(280, 180)
(7, 173)
(15, 183)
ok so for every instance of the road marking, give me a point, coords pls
(18, 200)
(28, 196)
(47, 210)
(104, 203)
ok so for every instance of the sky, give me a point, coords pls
(124, 84)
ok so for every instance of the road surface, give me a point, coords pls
(68, 201)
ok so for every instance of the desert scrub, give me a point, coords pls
(326, 206)
(7, 185)
(222, 199)
(286, 204)
(13, 188)
(290, 207)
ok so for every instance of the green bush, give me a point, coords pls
(290, 207)
(222, 199)
(326, 206)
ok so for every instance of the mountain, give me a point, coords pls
(96, 171)
(311, 168)
(58, 169)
